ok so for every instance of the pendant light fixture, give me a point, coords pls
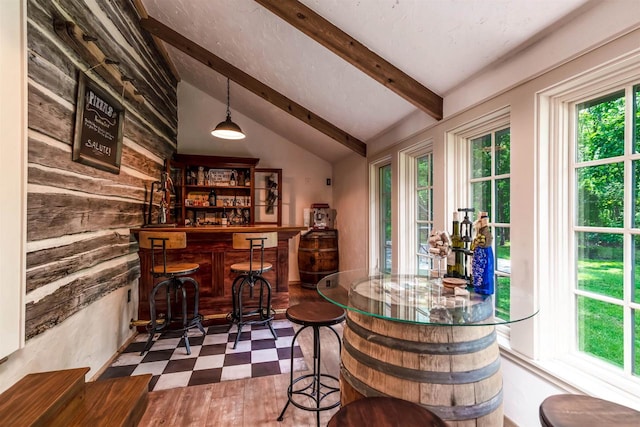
(228, 129)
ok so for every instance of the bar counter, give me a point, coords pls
(211, 247)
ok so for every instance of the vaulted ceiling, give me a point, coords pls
(329, 75)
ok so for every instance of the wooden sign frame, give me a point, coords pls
(97, 138)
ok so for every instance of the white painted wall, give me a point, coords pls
(351, 205)
(304, 175)
(13, 70)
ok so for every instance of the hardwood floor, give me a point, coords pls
(248, 402)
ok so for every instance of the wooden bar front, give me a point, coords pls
(212, 249)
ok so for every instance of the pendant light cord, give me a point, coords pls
(228, 110)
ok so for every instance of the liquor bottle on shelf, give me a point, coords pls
(225, 220)
(455, 261)
(200, 175)
(212, 197)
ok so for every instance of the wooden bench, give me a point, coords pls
(63, 398)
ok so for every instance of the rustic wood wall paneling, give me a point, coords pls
(48, 265)
(78, 245)
(139, 65)
(53, 214)
(45, 44)
(57, 157)
(78, 294)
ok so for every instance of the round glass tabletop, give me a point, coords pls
(411, 298)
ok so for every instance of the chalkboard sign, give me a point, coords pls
(98, 131)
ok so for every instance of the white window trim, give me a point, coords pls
(457, 149)
(457, 155)
(374, 210)
(407, 208)
(554, 351)
(13, 152)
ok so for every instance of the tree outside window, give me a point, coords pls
(607, 180)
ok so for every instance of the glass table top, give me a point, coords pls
(411, 298)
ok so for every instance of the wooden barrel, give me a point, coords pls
(453, 371)
(317, 256)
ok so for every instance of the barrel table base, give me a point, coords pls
(453, 371)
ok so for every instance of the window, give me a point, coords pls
(384, 197)
(489, 190)
(481, 153)
(606, 227)
(424, 206)
(588, 183)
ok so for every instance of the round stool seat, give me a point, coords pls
(386, 412)
(176, 269)
(315, 314)
(571, 410)
(245, 267)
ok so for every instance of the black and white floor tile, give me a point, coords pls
(212, 357)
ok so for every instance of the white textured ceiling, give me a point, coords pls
(440, 43)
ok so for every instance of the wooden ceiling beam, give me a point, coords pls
(351, 50)
(216, 63)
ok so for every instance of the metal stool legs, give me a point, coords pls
(316, 389)
(174, 285)
(262, 314)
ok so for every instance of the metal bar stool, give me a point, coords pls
(315, 386)
(176, 278)
(245, 310)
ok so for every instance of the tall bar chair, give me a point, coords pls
(246, 310)
(174, 285)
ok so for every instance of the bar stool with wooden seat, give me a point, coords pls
(383, 412)
(316, 386)
(245, 309)
(174, 283)
(574, 410)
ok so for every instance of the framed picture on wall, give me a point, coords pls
(268, 197)
(97, 138)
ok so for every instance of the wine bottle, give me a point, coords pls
(225, 220)
(213, 198)
(455, 262)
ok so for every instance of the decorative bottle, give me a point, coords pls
(482, 267)
(225, 220)
(455, 261)
(201, 175)
(212, 197)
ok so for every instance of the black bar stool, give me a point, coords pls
(176, 278)
(384, 411)
(317, 385)
(245, 310)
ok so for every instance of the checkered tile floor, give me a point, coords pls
(212, 358)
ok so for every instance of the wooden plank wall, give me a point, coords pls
(78, 217)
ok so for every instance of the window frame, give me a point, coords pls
(407, 203)
(557, 353)
(459, 148)
(374, 211)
